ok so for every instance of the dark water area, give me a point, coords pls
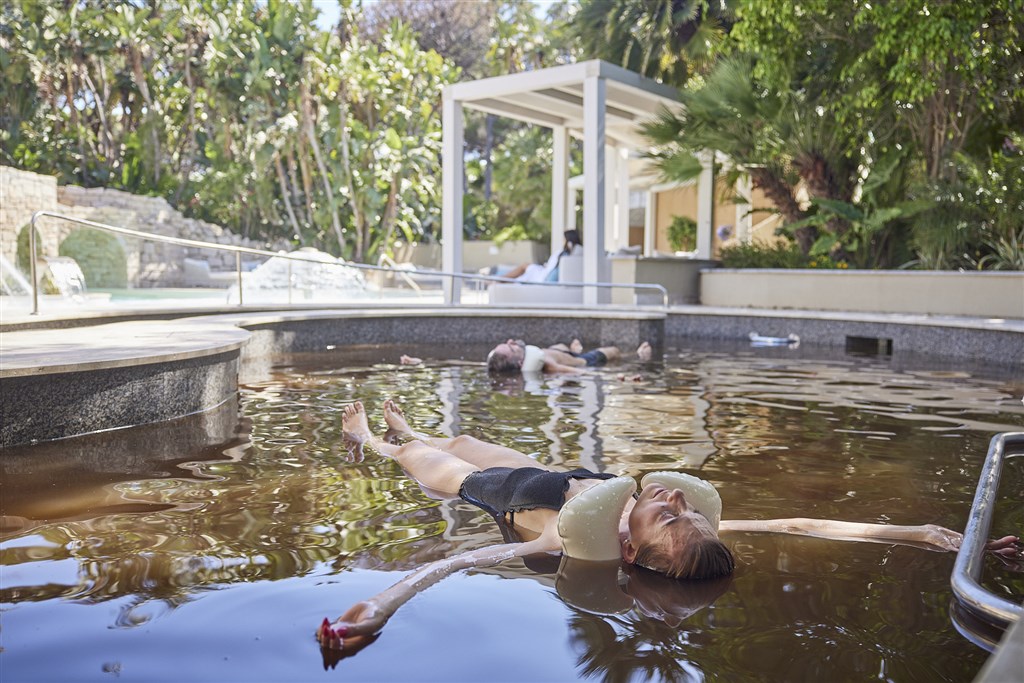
(210, 548)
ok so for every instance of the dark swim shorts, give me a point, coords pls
(506, 490)
(593, 358)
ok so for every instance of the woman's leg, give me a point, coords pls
(435, 469)
(478, 453)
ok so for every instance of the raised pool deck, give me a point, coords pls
(63, 375)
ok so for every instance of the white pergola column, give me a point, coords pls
(559, 187)
(744, 217)
(706, 206)
(451, 195)
(594, 95)
(622, 194)
(611, 166)
(650, 222)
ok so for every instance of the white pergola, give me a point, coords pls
(603, 105)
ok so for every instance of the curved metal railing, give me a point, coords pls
(966, 578)
(238, 251)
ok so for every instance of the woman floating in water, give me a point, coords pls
(660, 529)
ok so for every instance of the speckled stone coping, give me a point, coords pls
(56, 383)
(993, 341)
(40, 407)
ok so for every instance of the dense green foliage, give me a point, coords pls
(886, 134)
(249, 115)
(243, 113)
(682, 234)
(872, 127)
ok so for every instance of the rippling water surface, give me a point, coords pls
(210, 548)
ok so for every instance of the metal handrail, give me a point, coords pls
(238, 251)
(967, 568)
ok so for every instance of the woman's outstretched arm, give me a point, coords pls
(358, 626)
(927, 536)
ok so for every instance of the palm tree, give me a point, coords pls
(776, 135)
(669, 40)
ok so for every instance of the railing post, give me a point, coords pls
(289, 282)
(238, 269)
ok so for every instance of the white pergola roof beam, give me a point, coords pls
(514, 111)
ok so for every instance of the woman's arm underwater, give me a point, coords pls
(359, 625)
(929, 536)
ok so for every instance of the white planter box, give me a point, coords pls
(986, 294)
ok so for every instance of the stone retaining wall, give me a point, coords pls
(145, 264)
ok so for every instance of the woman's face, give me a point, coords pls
(663, 516)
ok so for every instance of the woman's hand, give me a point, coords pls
(1008, 547)
(941, 537)
(354, 630)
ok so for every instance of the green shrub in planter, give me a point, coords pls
(778, 255)
(682, 234)
(757, 255)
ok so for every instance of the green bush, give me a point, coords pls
(22, 249)
(756, 255)
(778, 255)
(100, 256)
(46, 283)
(682, 234)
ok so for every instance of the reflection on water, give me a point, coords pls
(230, 535)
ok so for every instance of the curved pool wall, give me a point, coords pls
(59, 380)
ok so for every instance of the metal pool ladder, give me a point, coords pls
(966, 578)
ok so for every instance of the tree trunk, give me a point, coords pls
(780, 193)
(387, 222)
(100, 104)
(346, 161)
(307, 116)
(69, 94)
(307, 178)
(139, 76)
(294, 184)
(283, 182)
(185, 167)
(485, 156)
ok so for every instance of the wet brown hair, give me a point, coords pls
(704, 558)
(501, 363)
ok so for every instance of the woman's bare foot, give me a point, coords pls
(576, 346)
(354, 423)
(395, 419)
(643, 352)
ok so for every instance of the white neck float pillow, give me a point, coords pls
(589, 523)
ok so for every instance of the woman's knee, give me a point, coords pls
(412, 449)
(464, 441)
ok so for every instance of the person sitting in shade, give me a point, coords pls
(662, 529)
(548, 271)
(515, 355)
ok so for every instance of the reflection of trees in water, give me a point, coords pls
(631, 647)
(283, 497)
(849, 437)
(195, 514)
